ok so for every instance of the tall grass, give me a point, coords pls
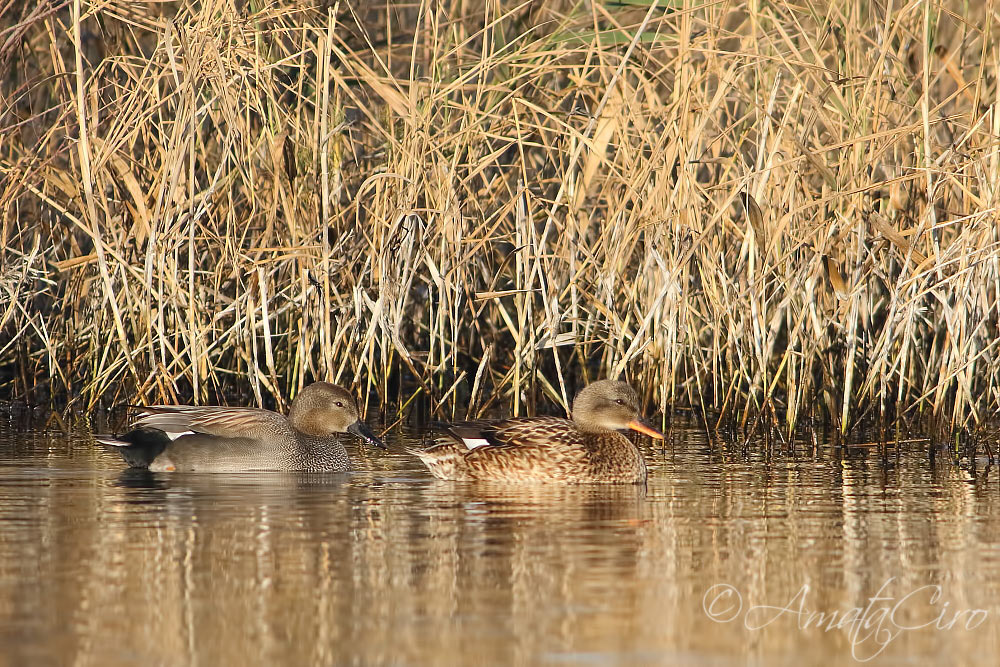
(764, 210)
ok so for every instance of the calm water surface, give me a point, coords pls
(720, 560)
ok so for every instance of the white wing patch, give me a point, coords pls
(473, 443)
(173, 435)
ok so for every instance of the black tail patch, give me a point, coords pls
(139, 447)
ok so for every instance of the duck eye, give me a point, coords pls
(339, 404)
(619, 401)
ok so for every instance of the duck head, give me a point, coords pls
(609, 405)
(322, 409)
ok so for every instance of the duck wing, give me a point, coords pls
(519, 431)
(222, 422)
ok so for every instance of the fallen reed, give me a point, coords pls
(767, 212)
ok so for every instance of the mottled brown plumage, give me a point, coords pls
(590, 448)
(224, 439)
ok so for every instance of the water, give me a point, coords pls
(104, 567)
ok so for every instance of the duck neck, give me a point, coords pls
(588, 425)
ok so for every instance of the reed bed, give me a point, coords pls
(769, 212)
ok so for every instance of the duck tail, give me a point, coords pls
(139, 447)
(111, 441)
(445, 461)
(420, 454)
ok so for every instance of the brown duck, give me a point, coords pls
(589, 448)
(168, 438)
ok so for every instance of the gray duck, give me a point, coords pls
(183, 438)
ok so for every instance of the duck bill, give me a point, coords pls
(642, 427)
(361, 430)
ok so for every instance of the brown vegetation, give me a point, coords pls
(778, 211)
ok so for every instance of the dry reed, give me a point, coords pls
(774, 212)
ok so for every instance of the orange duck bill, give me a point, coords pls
(642, 427)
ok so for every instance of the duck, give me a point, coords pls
(589, 448)
(184, 438)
